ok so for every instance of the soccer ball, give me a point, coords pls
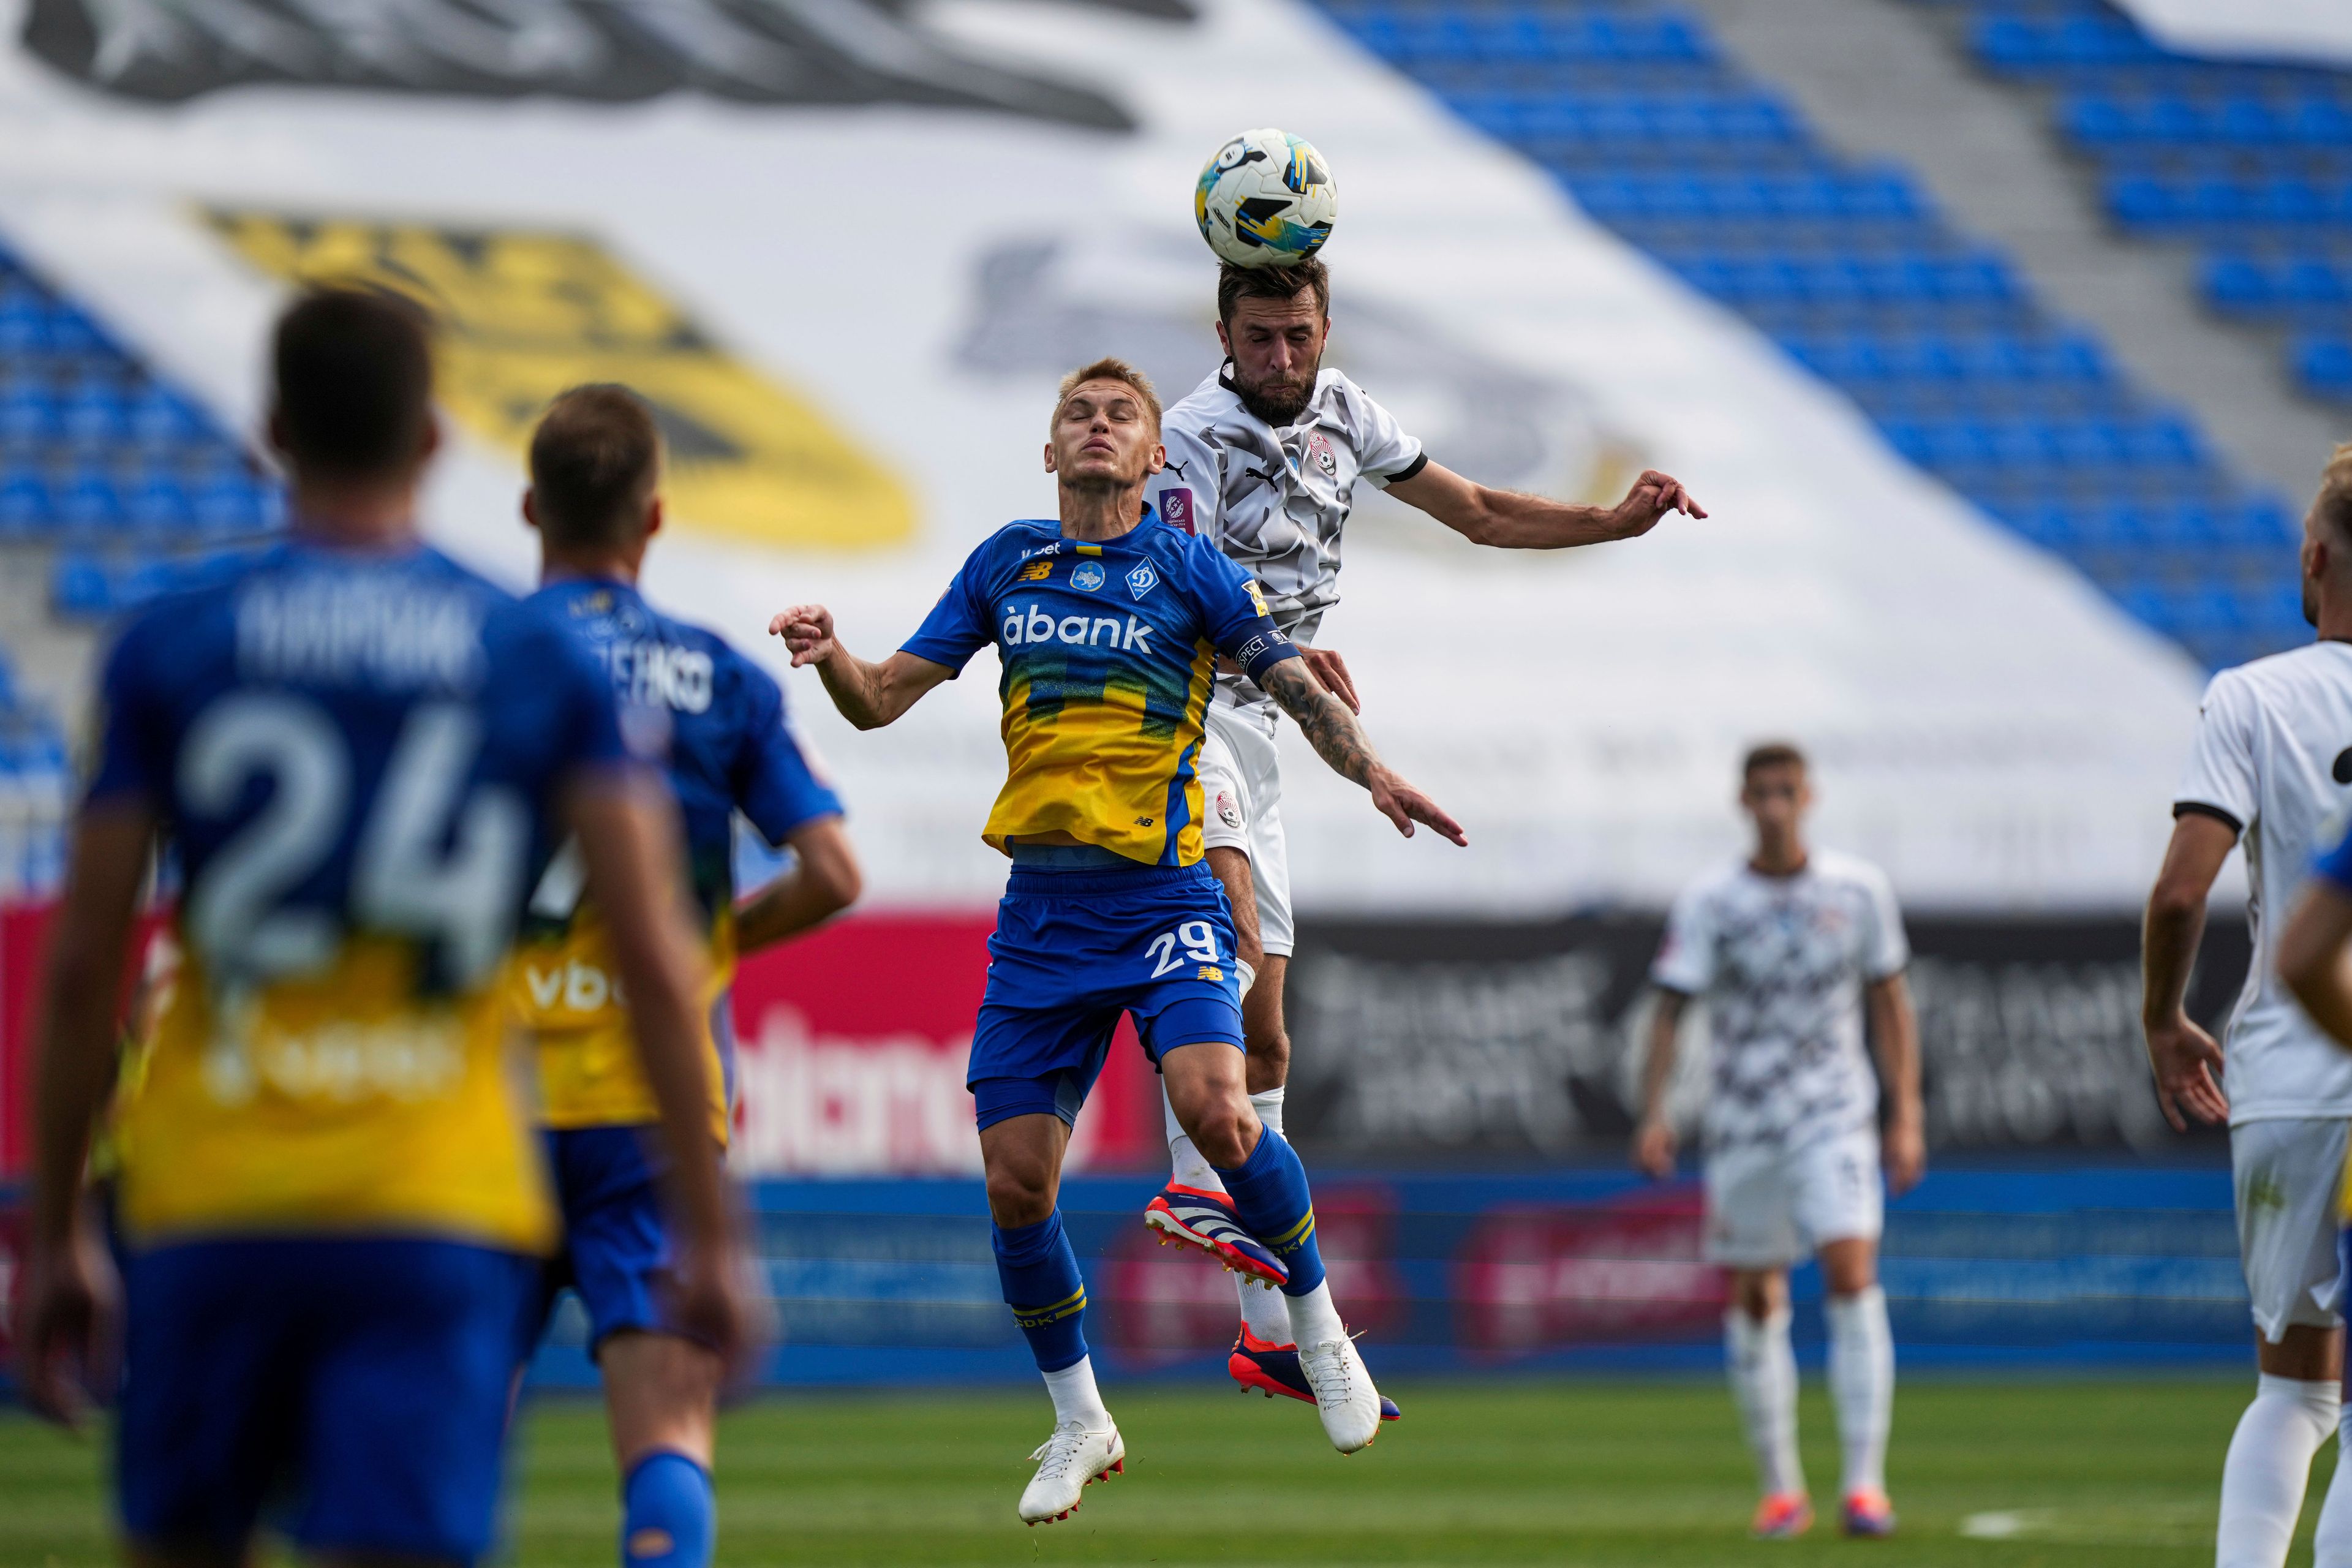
(1266, 199)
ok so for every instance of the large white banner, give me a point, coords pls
(850, 246)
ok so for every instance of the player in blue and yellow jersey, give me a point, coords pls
(1108, 625)
(332, 1194)
(595, 468)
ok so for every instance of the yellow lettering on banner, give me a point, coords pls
(525, 313)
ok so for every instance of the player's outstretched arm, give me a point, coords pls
(868, 695)
(826, 882)
(1340, 742)
(628, 833)
(1511, 520)
(68, 1323)
(1894, 1028)
(2314, 959)
(2183, 1057)
(1653, 1138)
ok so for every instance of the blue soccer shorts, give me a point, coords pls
(357, 1387)
(1073, 949)
(616, 1251)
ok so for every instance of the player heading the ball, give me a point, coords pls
(1109, 626)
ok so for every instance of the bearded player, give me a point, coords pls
(1263, 461)
(1108, 627)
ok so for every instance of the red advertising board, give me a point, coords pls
(850, 1049)
(852, 1045)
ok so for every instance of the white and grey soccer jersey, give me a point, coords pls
(1781, 963)
(1276, 501)
(2273, 759)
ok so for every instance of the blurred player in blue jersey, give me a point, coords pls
(595, 471)
(1108, 625)
(332, 1195)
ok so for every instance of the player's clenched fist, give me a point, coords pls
(808, 630)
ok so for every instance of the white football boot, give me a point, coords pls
(1344, 1395)
(1070, 1460)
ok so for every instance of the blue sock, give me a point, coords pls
(669, 1518)
(1041, 1285)
(1269, 1192)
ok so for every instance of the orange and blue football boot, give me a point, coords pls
(1783, 1516)
(1869, 1515)
(1207, 1220)
(1272, 1369)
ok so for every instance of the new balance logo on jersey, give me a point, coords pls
(1034, 626)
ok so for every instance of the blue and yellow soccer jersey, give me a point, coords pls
(1109, 651)
(355, 756)
(730, 751)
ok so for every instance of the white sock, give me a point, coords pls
(1269, 1107)
(2334, 1545)
(1313, 1318)
(1265, 1312)
(2262, 1479)
(1862, 1384)
(1076, 1397)
(1189, 1169)
(1764, 1386)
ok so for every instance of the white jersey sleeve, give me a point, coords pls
(1886, 950)
(1186, 491)
(1383, 450)
(2222, 774)
(1686, 960)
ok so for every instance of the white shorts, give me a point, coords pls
(1767, 1207)
(1240, 799)
(2287, 1176)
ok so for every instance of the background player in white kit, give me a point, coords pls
(1786, 947)
(2274, 756)
(1263, 459)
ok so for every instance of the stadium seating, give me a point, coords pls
(34, 782)
(1656, 133)
(95, 448)
(123, 485)
(2251, 163)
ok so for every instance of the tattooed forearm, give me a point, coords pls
(1323, 719)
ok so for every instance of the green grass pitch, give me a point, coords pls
(1637, 1475)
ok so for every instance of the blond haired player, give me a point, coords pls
(2270, 769)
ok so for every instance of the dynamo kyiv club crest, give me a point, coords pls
(1142, 580)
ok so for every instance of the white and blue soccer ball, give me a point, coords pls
(1266, 199)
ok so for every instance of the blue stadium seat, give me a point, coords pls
(79, 586)
(159, 504)
(88, 502)
(29, 413)
(2324, 366)
(92, 414)
(158, 417)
